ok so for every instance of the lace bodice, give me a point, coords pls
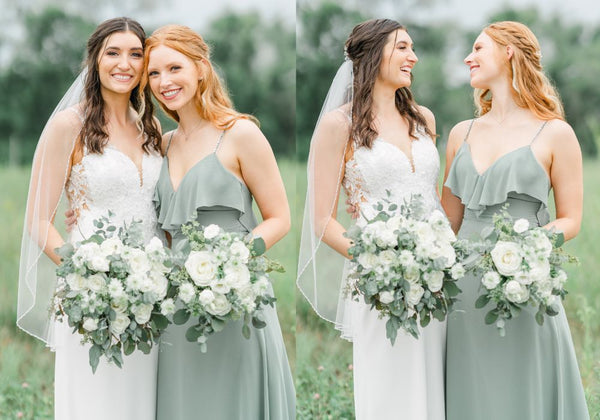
(384, 167)
(111, 181)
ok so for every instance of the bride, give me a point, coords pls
(372, 137)
(102, 149)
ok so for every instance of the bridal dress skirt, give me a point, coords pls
(113, 393)
(400, 381)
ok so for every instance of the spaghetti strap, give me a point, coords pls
(469, 130)
(169, 144)
(219, 141)
(538, 132)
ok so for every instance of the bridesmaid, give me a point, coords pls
(216, 161)
(517, 149)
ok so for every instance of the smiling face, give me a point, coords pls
(397, 60)
(487, 62)
(173, 77)
(120, 62)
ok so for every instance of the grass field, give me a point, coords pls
(320, 359)
(26, 366)
(324, 375)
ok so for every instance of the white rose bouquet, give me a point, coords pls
(519, 265)
(222, 276)
(405, 264)
(112, 289)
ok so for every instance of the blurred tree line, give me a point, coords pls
(255, 57)
(570, 58)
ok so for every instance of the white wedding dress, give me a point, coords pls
(98, 183)
(406, 380)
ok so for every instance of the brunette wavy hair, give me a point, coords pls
(530, 86)
(212, 100)
(93, 133)
(365, 47)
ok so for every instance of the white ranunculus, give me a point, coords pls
(201, 267)
(516, 292)
(186, 292)
(490, 280)
(386, 238)
(138, 260)
(539, 270)
(76, 282)
(115, 289)
(545, 288)
(386, 297)
(86, 252)
(240, 251)
(96, 283)
(521, 225)
(406, 258)
(147, 285)
(387, 258)
(507, 257)
(247, 297)
(142, 312)
(236, 276)
(368, 260)
(111, 246)
(394, 223)
(220, 286)
(135, 281)
(206, 297)
(261, 286)
(415, 294)
(543, 245)
(211, 231)
(160, 284)
(154, 245)
(457, 271)
(523, 278)
(120, 305)
(449, 254)
(119, 324)
(560, 279)
(435, 280)
(167, 307)
(99, 263)
(90, 324)
(220, 306)
(425, 233)
(412, 274)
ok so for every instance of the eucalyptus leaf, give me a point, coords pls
(246, 331)
(95, 353)
(192, 334)
(491, 317)
(482, 301)
(181, 317)
(258, 323)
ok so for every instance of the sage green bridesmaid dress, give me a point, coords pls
(237, 378)
(532, 372)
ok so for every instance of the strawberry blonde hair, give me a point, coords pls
(212, 100)
(530, 86)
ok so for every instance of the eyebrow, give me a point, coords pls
(119, 48)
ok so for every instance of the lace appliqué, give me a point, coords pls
(76, 189)
(354, 184)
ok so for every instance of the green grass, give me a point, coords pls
(318, 345)
(26, 365)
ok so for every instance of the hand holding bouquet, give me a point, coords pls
(222, 277)
(520, 265)
(112, 290)
(405, 265)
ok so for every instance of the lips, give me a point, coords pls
(170, 94)
(121, 77)
(406, 69)
(473, 68)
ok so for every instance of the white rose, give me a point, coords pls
(507, 257)
(90, 324)
(449, 254)
(96, 283)
(554, 302)
(142, 312)
(138, 260)
(368, 260)
(412, 274)
(539, 270)
(220, 286)
(435, 280)
(135, 281)
(545, 288)
(516, 292)
(120, 305)
(86, 252)
(247, 296)
(387, 257)
(386, 297)
(521, 225)
(211, 231)
(160, 284)
(490, 280)
(220, 306)
(119, 324)
(543, 245)
(457, 271)
(115, 289)
(99, 263)
(201, 267)
(394, 223)
(76, 282)
(111, 246)
(206, 297)
(406, 258)
(261, 286)
(167, 307)
(425, 233)
(186, 292)
(415, 294)
(523, 278)
(154, 245)
(559, 281)
(386, 238)
(236, 275)
(240, 251)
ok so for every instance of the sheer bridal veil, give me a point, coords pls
(49, 175)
